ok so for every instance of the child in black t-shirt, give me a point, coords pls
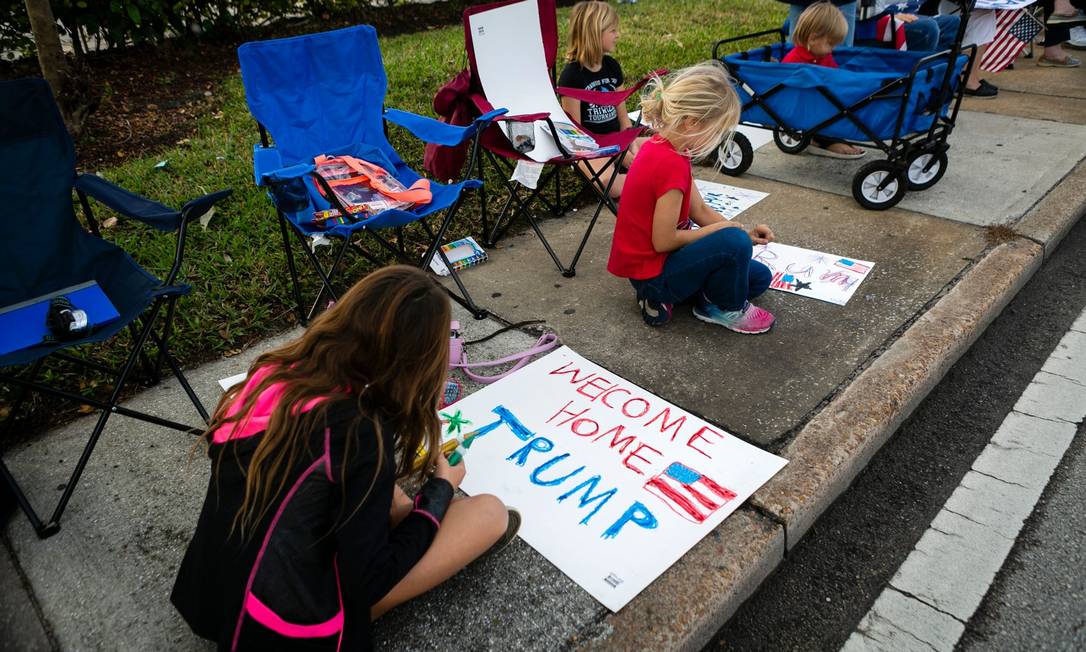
(593, 33)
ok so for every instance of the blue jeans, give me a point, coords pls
(848, 10)
(931, 33)
(717, 265)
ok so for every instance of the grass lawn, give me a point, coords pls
(236, 265)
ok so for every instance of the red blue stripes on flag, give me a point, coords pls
(689, 494)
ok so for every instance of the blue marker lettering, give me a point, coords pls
(546, 465)
(540, 444)
(587, 498)
(638, 514)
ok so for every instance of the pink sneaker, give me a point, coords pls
(749, 320)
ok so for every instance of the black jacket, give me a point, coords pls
(322, 555)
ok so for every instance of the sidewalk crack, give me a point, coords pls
(989, 475)
(1030, 415)
(983, 525)
(924, 602)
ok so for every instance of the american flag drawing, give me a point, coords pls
(1015, 28)
(688, 493)
(853, 266)
(782, 281)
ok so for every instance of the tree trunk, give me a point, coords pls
(54, 67)
(73, 93)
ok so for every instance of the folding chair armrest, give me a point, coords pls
(195, 208)
(128, 203)
(268, 167)
(608, 98)
(441, 133)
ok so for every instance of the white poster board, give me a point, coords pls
(614, 483)
(727, 200)
(513, 69)
(810, 273)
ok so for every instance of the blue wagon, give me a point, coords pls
(903, 103)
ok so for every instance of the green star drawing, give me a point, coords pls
(455, 421)
(800, 285)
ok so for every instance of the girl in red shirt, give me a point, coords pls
(654, 246)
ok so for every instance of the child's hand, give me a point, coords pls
(454, 475)
(905, 18)
(761, 234)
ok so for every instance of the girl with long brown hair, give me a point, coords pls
(304, 536)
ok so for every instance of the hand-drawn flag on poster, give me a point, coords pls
(853, 266)
(688, 493)
(1014, 30)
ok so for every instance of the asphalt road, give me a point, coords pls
(1038, 601)
(828, 582)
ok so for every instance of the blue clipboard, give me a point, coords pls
(23, 324)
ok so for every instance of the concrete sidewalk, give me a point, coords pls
(823, 389)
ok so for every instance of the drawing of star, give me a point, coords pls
(455, 421)
(800, 285)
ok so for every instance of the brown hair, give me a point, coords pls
(383, 345)
(820, 20)
(587, 23)
(696, 104)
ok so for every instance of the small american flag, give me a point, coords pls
(891, 30)
(1015, 28)
(853, 266)
(688, 493)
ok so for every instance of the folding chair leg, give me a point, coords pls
(293, 270)
(53, 525)
(326, 277)
(184, 382)
(326, 282)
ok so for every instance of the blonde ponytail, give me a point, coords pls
(695, 107)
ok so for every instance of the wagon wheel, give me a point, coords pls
(734, 155)
(792, 142)
(879, 185)
(924, 169)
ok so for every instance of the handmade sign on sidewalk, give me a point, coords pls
(812, 273)
(727, 200)
(614, 483)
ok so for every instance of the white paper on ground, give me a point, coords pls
(227, 383)
(526, 173)
(614, 484)
(513, 68)
(814, 274)
(727, 200)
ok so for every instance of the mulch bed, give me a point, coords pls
(153, 95)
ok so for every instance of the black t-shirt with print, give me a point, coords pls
(595, 118)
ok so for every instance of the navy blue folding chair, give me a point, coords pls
(324, 94)
(44, 248)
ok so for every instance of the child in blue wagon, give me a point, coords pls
(666, 261)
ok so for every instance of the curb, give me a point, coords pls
(698, 594)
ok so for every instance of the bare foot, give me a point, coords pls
(844, 148)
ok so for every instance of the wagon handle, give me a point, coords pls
(778, 31)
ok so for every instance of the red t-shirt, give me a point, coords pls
(800, 54)
(657, 169)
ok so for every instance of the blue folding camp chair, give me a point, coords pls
(44, 250)
(324, 94)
